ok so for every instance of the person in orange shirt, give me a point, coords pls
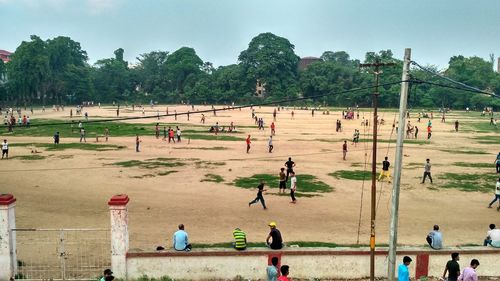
(429, 132)
(248, 143)
(273, 129)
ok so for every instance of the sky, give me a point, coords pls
(219, 30)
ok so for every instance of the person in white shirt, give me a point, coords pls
(5, 149)
(270, 143)
(497, 195)
(492, 237)
(178, 134)
(293, 187)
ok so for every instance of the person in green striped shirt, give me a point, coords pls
(240, 239)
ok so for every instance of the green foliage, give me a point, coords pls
(29, 157)
(474, 165)
(351, 175)
(212, 178)
(151, 163)
(488, 139)
(305, 183)
(464, 151)
(469, 182)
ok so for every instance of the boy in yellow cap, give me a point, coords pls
(275, 234)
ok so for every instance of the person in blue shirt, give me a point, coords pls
(403, 273)
(435, 238)
(180, 240)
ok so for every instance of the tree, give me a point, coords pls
(182, 67)
(272, 60)
(112, 79)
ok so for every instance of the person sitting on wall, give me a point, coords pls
(493, 237)
(240, 239)
(275, 234)
(435, 238)
(180, 240)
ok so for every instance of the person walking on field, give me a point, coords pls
(270, 143)
(293, 187)
(452, 267)
(106, 133)
(273, 129)
(497, 195)
(429, 132)
(416, 132)
(427, 170)
(82, 135)
(259, 197)
(157, 130)
(385, 170)
(5, 149)
(137, 142)
(248, 143)
(171, 135)
(56, 138)
(178, 133)
(282, 180)
(344, 149)
(456, 126)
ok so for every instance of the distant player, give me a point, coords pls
(270, 144)
(282, 180)
(344, 150)
(5, 149)
(137, 143)
(248, 141)
(293, 187)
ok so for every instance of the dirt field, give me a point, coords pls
(72, 191)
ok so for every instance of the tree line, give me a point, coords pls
(56, 71)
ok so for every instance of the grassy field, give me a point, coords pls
(76, 145)
(351, 175)
(212, 178)
(469, 182)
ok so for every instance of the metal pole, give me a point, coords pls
(374, 177)
(393, 236)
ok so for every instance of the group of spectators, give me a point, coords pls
(435, 237)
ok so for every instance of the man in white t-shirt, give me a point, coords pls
(497, 195)
(493, 237)
(293, 187)
(5, 149)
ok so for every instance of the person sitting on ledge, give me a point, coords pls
(493, 237)
(240, 239)
(275, 234)
(180, 240)
(435, 238)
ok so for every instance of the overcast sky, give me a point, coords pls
(220, 29)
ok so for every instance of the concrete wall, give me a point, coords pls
(321, 263)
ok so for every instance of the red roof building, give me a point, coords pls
(304, 62)
(5, 55)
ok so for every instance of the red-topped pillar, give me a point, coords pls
(8, 260)
(119, 234)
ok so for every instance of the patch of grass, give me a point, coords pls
(469, 182)
(212, 178)
(474, 165)
(481, 127)
(77, 145)
(357, 165)
(459, 151)
(351, 175)
(306, 184)
(166, 173)
(143, 176)
(488, 139)
(151, 163)
(204, 148)
(208, 164)
(213, 137)
(29, 157)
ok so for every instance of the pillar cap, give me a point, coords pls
(118, 200)
(7, 199)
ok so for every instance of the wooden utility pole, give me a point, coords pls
(377, 73)
(393, 235)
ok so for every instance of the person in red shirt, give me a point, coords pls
(273, 129)
(285, 270)
(429, 132)
(171, 135)
(248, 143)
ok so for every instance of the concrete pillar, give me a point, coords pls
(119, 234)
(8, 259)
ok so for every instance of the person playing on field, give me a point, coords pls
(289, 167)
(137, 143)
(427, 170)
(5, 149)
(282, 180)
(497, 195)
(273, 129)
(270, 143)
(259, 197)
(178, 133)
(248, 142)
(171, 135)
(344, 150)
(157, 130)
(106, 133)
(497, 161)
(56, 138)
(293, 187)
(456, 126)
(385, 170)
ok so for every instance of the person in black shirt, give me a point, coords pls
(275, 234)
(289, 167)
(385, 170)
(259, 196)
(56, 138)
(453, 268)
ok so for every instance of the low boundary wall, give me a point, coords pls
(305, 263)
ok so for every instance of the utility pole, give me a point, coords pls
(393, 235)
(377, 72)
